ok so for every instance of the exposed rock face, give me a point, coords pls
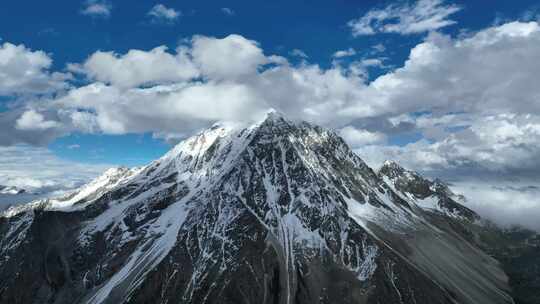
(278, 212)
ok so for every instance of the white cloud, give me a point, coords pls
(379, 47)
(32, 120)
(97, 8)
(344, 53)
(161, 13)
(298, 53)
(507, 144)
(138, 67)
(228, 11)
(74, 146)
(481, 76)
(228, 58)
(405, 18)
(23, 71)
(174, 109)
(506, 203)
(361, 67)
(491, 71)
(357, 138)
(372, 62)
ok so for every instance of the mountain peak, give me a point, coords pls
(285, 198)
(272, 113)
(272, 116)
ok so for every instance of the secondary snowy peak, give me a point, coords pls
(430, 195)
(85, 195)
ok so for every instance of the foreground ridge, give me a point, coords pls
(275, 212)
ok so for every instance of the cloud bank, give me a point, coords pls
(45, 172)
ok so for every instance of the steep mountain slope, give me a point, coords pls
(278, 212)
(517, 249)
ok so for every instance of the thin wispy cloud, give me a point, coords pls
(97, 8)
(298, 53)
(344, 53)
(405, 18)
(228, 11)
(379, 47)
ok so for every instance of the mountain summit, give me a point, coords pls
(276, 212)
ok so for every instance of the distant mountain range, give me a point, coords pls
(12, 196)
(12, 190)
(276, 212)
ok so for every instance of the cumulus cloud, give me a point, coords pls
(493, 70)
(174, 109)
(32, 120)
(207, 78)
(138, 67)
(97, 8)
(161, 13)
(356, 137)
(405, 18)
(227, 58)
(23, 71)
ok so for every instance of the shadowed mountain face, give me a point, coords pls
(277, 212)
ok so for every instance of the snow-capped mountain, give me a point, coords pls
(276, 212)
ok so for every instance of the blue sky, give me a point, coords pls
(317, 27)
(448, 88)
